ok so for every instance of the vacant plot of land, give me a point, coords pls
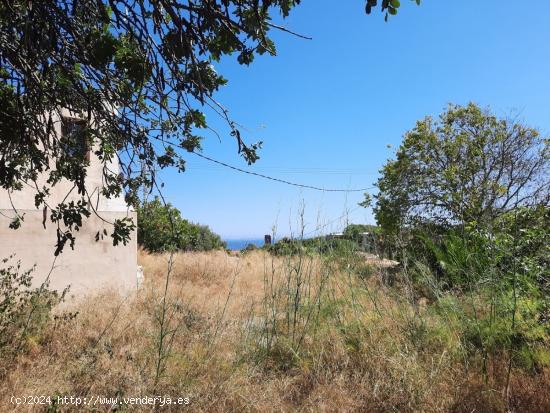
(262, 333)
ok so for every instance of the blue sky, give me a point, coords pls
(327, 109)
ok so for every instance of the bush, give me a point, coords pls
(463, 257)
(287, 246)
(498, 283)
(161, 228)
(250, 248)
(312, 246)
(24, 311)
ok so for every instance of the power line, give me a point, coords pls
(316, 188)
(218, 168)
(287, 170)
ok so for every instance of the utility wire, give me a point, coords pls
(284, 171)
(316, 188)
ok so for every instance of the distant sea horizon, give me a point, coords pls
(241, 243)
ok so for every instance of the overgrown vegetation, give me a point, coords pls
(356, 238)
(268, 333)
(25, 312)
(162, 228)
(465, 209)
(459, 321)
(310, 246)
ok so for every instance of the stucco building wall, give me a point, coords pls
(89, 267)
(92, 265)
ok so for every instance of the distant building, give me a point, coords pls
(334, 235)
(92, 264)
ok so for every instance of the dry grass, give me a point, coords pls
(354, 345)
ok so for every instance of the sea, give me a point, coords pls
(239, 244)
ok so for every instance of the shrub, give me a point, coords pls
(161, 228)
(250, 248)
(311, 246)
(24, 311)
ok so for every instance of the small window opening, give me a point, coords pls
(73, 138)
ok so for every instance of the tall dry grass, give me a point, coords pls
(261, 333)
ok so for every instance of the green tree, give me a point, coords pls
(161, 228)
(468, 167)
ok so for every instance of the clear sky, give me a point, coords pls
(327, 109)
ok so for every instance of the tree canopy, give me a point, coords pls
(467, 167)
(140, 72)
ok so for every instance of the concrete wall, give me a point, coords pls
(91, 265)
